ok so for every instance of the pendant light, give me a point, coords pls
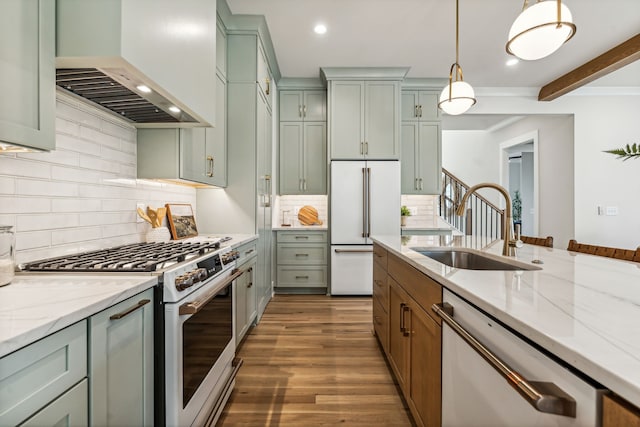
(458, 96)
(540, 29)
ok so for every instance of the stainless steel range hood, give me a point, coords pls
(151, 62)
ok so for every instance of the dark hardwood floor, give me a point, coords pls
(313, 361)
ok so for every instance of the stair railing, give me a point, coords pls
(482, 217)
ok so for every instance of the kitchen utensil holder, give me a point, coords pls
(158, 234)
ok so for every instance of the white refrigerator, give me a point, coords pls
(364, 202)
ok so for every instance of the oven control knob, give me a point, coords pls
(199, 275)
(184, 281)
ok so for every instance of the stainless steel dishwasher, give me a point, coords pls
(491, 377)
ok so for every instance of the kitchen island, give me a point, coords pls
(580, 308)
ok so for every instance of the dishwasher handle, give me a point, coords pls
(543, 396)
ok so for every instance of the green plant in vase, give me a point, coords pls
(627, 152)
(404, 213)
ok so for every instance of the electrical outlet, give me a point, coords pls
(612, 210)
(142, 206)
(296, 209)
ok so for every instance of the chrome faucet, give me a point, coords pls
(510, 243)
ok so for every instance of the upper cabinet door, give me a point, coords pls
(193, 164)
(27, 104)
(291, 103)
(221, 51)
(382, 120)
(429, 158)
(314, 107)
(420, 105)
(315, 158)
(346, 122)
(291, 175)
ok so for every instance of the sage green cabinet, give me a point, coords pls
(246, 298)
(121, 363)
(34, 376)
(27, 67)
(420, 105)
(364, 119)
(301, 261)
(421, 163)
(70, 409)
(303, 105)
(303, 158)
(264, 76)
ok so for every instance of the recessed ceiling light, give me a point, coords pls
(320, 29)
(143, 88)
(512, 61)
(174, 109)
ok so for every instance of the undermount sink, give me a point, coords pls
(471, 260)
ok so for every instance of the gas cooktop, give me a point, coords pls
(136, 257)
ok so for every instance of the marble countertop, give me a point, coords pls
(36, 305)
(582, 308)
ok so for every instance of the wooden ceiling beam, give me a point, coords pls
(616, 58)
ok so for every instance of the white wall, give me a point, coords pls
(472, 156)
(601, 121)
(83, 195)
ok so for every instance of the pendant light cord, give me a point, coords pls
(457, 26)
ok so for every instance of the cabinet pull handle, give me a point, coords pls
(250, 269)
(415, 186)
(209, 166)
(366, 148)
(402, 329)
(247, 253)
(362, 148)
(352, 251)
(129, 310)
(299, 110)
(304, 184)
(420, 110)
(268, 81)
(420, 184)
(304, 111)
(415, 111)
(302, 237)
(405, 309)
(302, 277)
(543, 396)
(302, 254)
(250, 284)
(368, 201)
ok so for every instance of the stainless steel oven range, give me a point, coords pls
(194, 320)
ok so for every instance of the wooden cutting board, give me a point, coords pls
(308, 215)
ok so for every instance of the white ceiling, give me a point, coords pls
(421, 34)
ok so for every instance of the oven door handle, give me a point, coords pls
(543, 396)
(195, 306)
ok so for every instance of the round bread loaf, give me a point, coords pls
(308, 215)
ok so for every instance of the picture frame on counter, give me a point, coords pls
(182, 222)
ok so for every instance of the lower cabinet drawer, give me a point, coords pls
(35, 375)
(70, 409)
(302, 277)
(288, 253)
(381, 324)
(246, 251)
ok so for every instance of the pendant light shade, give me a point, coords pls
(540, 30)
(458, 96)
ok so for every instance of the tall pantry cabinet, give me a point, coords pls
(245, 205)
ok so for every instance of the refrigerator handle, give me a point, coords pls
(368, 202)
(364, 203)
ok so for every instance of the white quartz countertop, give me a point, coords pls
(582, 308)
(36, 305)
(236, 239)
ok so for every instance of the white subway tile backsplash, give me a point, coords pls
(11, 166)
(46, 221)
(67, 127)
(62, 237)
(7, 185)
(72, 143)
(21, 205)
(76, 205)
(33, 240)
(81, 196)
(33, 187)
